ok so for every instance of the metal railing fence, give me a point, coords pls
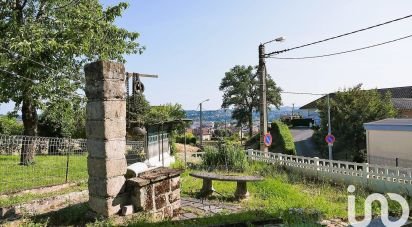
(378, 178)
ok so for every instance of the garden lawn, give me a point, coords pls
(48, 170)
(287, 195)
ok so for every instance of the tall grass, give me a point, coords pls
(229, 157)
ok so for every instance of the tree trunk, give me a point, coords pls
(30, 121)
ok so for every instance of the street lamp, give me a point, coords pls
(262, 90)
(201, 131)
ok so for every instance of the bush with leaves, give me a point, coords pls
(190, 138)
(228, 157)
(10, 126)
(64, 119)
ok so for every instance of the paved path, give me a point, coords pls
(195, 208)
(303, 142)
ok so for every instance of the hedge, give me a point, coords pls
(282, 139)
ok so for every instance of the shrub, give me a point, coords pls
(10, 126)
(173, 148)
(229, 157)
(190, 138)
(253, 142)
(282, 139)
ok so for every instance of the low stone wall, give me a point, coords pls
(156, 192)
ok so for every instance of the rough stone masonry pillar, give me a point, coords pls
(106, 133)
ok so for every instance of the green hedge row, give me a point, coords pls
(282, 139)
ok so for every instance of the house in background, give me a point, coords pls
(401, 100)
(206, 132)
(389, 142)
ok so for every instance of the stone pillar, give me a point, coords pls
(106, 133)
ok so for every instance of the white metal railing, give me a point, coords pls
(156, 138)
(339, 168)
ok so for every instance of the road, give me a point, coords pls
(303, 142)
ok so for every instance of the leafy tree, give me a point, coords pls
(10, 126)
(64, 119)
(137, 109)
(222, 133)
(163, 113)
(45, 44)
(240, 88)
(350, 109)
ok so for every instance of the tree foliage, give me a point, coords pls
(164, 113)
(222, 133)
(44, 46)
(137, 108)
(350, 109)
(64, 119)
(240, 88)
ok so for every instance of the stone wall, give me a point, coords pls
(106, 136)
(156, 192)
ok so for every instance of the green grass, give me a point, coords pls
(47, 170)
(297, 200)
(288, 195)
(27, 197)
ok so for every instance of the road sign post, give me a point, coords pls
(330, 139)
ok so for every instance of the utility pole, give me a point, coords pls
(225, 123)
(293, 108)
(201, 127)
(329, 131)
(263, 101)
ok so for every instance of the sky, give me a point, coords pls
(191, 44)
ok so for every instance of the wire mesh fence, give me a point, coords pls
(30, 162)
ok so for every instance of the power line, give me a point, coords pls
(342, 52)
(301, 93)
(339, 36)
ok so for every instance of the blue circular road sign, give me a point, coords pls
(330, 139)
(267, 139)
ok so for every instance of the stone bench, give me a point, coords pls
(241, 188)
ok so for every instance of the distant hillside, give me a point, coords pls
(220, 115)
